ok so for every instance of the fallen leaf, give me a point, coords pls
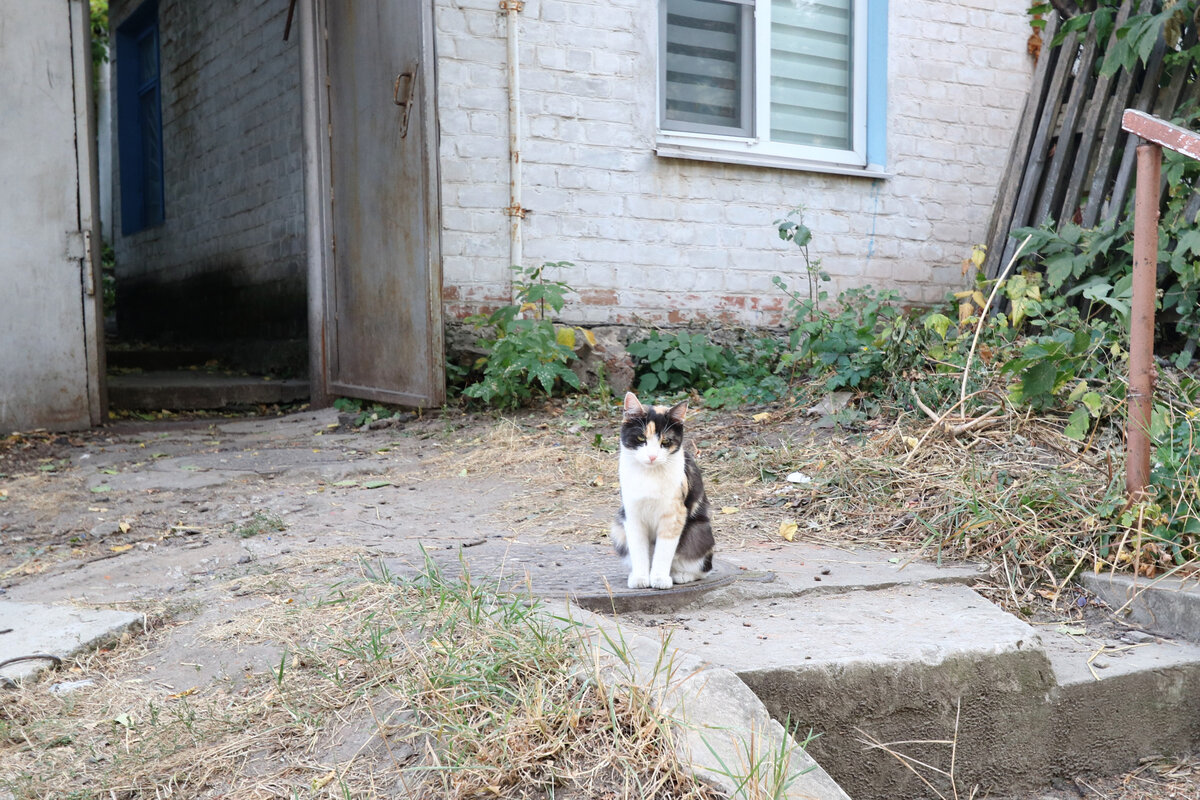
(376, 484)
(123, 719)
(729, 510)
(787, 529)
(763, 417)
(124, 526)
(1072, 630)
(911, 442)
(324, 780)
(346, 483)
(798, 477)
(101, 488)
(121, 548)
(184, 693)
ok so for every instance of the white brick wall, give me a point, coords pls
(232, 162)
(669, 240)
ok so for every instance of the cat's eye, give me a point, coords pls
(639, 439)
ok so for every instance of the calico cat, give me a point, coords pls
(662, 530)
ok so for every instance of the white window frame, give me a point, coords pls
(757, 148)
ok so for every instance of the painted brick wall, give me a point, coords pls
(666, 240)
(229, 260)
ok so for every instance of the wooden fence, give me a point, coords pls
(1070, 160)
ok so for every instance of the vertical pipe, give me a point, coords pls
(515, 212)
(316, 198)
(1141, 319)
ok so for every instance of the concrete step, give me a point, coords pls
(1166, 606)
(858, 644)
(154, 359)
(182, 390)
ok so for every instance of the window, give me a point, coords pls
(796, 83)
(139, 120)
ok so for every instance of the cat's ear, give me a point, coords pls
(632, 407)
(678, 411)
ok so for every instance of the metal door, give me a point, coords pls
(381, 274)
(50, 354)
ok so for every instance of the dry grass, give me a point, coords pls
(420, 688)
(1002, 486)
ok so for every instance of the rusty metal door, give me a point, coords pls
(383, 274)
(50, 353)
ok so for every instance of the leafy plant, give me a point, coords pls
(792, 229)
(677, 362)
(752, 375)
(525, 354)
(365, 413)
(865, 341)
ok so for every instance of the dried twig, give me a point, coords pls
(983, 316)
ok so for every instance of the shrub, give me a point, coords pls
(525, 355)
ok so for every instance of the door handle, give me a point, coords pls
(405, 98)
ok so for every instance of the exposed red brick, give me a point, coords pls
(598, 297)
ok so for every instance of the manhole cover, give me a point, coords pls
(591, 576)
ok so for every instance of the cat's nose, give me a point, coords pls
(651, 458)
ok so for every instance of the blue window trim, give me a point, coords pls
(877, 59)
(138, 211)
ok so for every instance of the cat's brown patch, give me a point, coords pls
(650, 429)
(672, 522)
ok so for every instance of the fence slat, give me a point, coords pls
(1064, 144)
(1145, 99)
(1031, 179)
(1101, 96)
(1010, 185)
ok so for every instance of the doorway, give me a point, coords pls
(255, 261)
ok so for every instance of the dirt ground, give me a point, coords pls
(187, 520)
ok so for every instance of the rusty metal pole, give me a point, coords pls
(1141, 319)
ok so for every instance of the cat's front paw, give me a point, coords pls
(638, 581)
(661, 581)
(684, 577)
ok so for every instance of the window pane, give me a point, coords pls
(811, 77)
(704, 63)
(148, 56)
(150, 121)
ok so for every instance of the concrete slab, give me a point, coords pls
(903, 663)
(923, 624)
(808, 569)
(185, 389)
(29, 630)
(1167, 606)
(726, 733)
(595, 578)
(590, 576)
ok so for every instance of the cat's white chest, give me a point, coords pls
(650, 492)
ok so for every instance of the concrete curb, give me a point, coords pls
(725, 733)
(1166, 606)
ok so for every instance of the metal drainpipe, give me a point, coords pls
(515, 212)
